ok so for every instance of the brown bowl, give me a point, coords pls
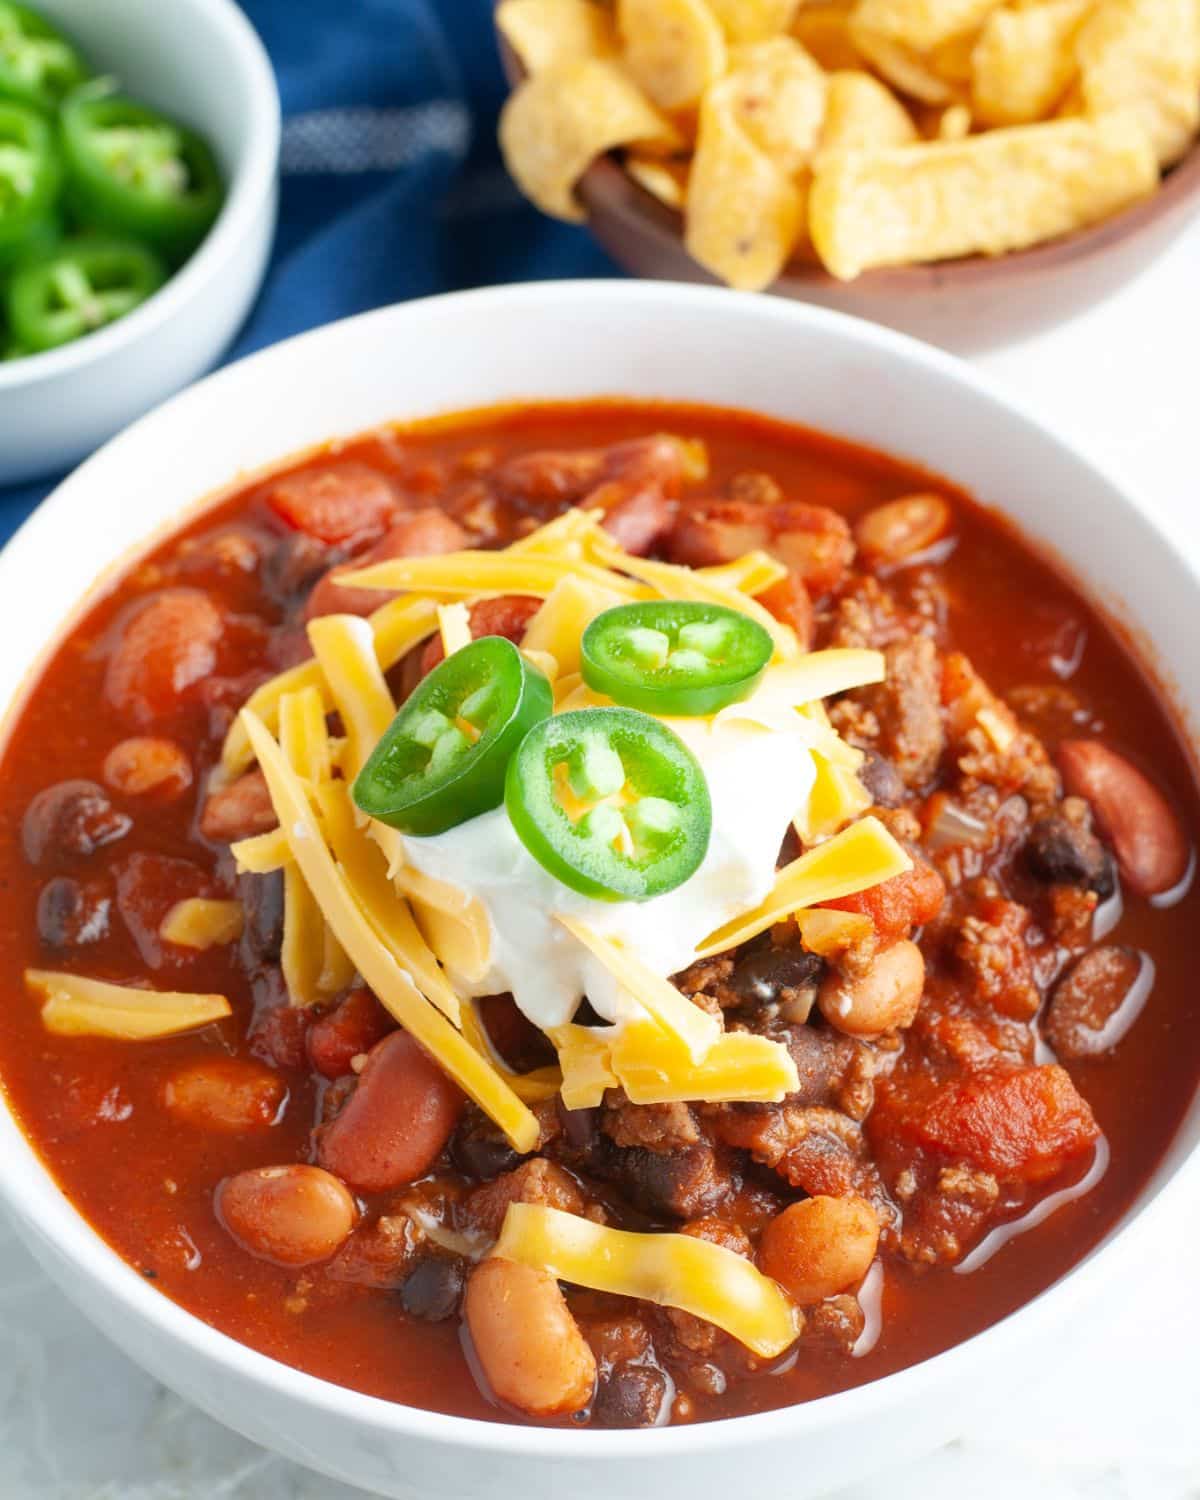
(966, 305)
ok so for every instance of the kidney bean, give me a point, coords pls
(820, 1247)
(71, 915)
(344, 1033)
(507, 615)
(529, 1347)
(432, 1290)
(396, 1122)
(167, 645)
(635, 516)
(901, 528)
(422, 533)
(1151, 847)
(550, 480)
(70, 820)
(883, 996)
(1096, 1001)
(294, 1215)
(238, 810)
(812, 540)
(225, 1093)
(336, 503)
(148, 765)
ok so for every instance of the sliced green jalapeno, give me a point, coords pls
(443, 758)
(675, 657)
(132, 171)
(77, 287)
(38, 65)
(611, 802)
(30, 177)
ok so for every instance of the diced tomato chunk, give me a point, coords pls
(898, 905)
(342, 502)
(508, 615)
(1022, 1124)
(344, 1033)
(167, 645)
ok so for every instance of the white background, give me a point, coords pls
(1111, 1414)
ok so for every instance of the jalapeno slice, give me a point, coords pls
(132, 171)
(30, 176)
(611, 802)
(77, 287)
(675, 657)
(38, 65)
(445, 753)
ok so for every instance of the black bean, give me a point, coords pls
(579, 1126)
(763, 976)
(70, 915)
(70, 820)
(433, 1289)
(262, 900)
(481, 1152)
(631, 1396)
(293, 566)
(1062, 852)
(882, 780)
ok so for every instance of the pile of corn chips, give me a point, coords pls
(857, 133)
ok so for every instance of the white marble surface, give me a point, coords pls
(1114, 1414)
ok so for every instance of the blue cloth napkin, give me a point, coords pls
(392, 185)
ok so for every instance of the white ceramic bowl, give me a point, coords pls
(202, 61)
(564, 340)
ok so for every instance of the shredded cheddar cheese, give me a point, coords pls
(199, 923)
(673, 1270)
(75, 1006)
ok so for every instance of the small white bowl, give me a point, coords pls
(571, 340)
(202, 61)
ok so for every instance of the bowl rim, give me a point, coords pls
(252, 181)
(44, 1212)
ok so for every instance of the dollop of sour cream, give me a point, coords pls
(757, 777)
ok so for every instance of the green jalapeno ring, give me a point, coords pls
(426, 774)
(76, 287)
(602, 754)
(131, 170)
(30, 178)
(38, 65)
(675, 657)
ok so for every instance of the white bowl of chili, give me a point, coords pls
(860, 383)
(201, 62)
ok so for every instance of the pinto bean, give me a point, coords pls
(820, 1247)
(1151, 847)
(885, 995)
(148, 766)
(901, 528)
(294, 1215)
(529, 1347)
(70, 820)
(422, 533)
(338, 502)
(225, 1093)
(396, 1122)
(168, 644)
(238, 810)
